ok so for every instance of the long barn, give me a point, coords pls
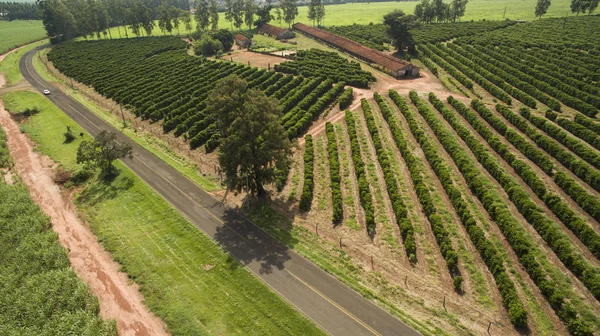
(394, 66)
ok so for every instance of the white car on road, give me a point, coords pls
(46, 92)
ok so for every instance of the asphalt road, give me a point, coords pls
(332, 305)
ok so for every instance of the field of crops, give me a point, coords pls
(461, 212)
(19, 32)
(41, 294)
(447, 186)
(325, 64)
(158, 80)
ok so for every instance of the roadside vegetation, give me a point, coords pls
(40, 292)
(159, 249)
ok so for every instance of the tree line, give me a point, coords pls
(577, 7)
(18, 11)
(429, 11)
(66, 19)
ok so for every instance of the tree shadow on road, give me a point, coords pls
(250, 244)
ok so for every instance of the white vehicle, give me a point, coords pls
(46, 92)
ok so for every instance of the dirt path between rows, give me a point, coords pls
(119, 299)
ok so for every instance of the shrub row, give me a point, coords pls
(580, 131)
(529, 150)
(493, 76)
(429, 64)
(305, 118)
(406, 229)
(326, 64)
(334, 174)
(496, 91)
(569, 95)
(586, 201)
(518, 238)
(581, 169)
(346, 98)
(569, 141)
(570, 218)
(552, 233)
(445, 65)
(442, 236)
(488, 252)
(588, 123)
(504, 71)
(307, 188)
(553, 70)
(361, 176)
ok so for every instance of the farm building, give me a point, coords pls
(396, 67)
(242, 41)
(276, 32)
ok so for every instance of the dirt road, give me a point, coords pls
(119, 299)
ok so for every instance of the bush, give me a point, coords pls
(307, 189)
(334, 174)
(69, 136)
(207, 46)
(457, 282)
(225, 37)
(346, 98)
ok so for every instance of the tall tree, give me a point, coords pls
(229, 11)
(264, 14)
(214, 15)
(57, 19)
(102, 152)
(320, 12)
(202, 15)
(278, 14)
(252, 139)
(457, 9)
(186, 18)
(398, 26)
(249, 11)
(290, 11)
(312, 10)
(541, 8)
(238, 13)
(175, 15)
(164, 19)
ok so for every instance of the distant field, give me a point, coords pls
(16, 33)
(365, 13)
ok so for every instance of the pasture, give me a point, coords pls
(17, 33)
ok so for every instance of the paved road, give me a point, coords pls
(332, 305)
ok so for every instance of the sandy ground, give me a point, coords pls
(119, 299)
(254, 58)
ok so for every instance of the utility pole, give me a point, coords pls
(122, 115)
(504, 15)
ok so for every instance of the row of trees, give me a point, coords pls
(404, 224)
(334, 174)
(428, 11)
(418, 177)
(547, 278)
(577, 6)
(66, 19)
(484, 245)
(18, 11)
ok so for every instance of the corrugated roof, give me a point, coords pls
(372, 55)
(266, 28)
(240, 37)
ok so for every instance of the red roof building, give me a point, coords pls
(390, 64)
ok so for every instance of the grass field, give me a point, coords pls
(365, 13)
(186, 279)
(9, 67)
(17, 33)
